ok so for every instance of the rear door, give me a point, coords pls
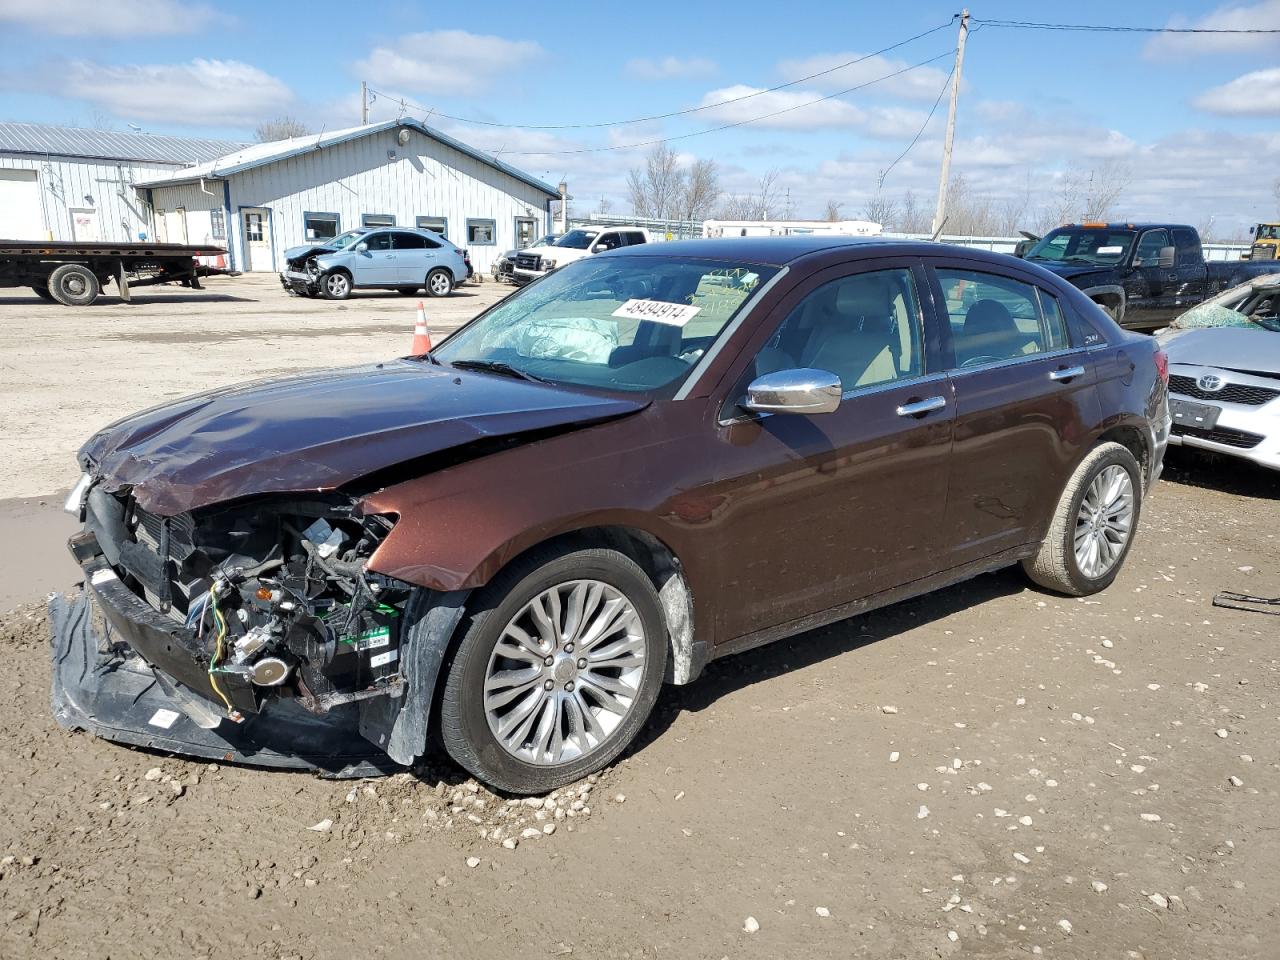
(1024, 406)
(415, 256)
(821, 510)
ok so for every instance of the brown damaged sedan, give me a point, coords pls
(647, 460)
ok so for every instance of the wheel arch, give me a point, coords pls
(1135, 440)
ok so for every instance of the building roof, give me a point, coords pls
(42, 139)
(260, 154)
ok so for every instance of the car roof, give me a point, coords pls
(1131, 225)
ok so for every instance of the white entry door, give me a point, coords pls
(20, 217)
(255, 225)
(84, 225)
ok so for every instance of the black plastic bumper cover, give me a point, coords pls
(102, 686)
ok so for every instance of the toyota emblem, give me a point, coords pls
(1210, 383)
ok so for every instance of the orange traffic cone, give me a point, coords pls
(421, 338)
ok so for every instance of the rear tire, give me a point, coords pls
(1093, 525)
(74, 285)
(484, 692)
(336, 285)
(439, 282)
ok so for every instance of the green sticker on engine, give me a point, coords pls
(370, 639)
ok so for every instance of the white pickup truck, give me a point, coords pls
(534, 262)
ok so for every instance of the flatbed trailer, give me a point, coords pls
(75, 273)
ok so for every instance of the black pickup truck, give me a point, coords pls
(1143, 274)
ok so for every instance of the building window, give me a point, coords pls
(218, 224)
(377, 219)
(438, 225)
(320, 226)
(482, 233)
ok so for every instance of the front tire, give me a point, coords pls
(559, 665)
(1093, 526)
(439, 282)
(336, 285)
(74, 285)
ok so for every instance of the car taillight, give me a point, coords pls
(1162, 365)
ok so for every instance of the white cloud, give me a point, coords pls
(922, 83)
(1255, 94)
(668, 68)
(446, 62)
(1233, 16)
(202, 92)
(813, 116)
(123, 18)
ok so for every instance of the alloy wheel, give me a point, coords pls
(439, 284)
(1104, 522)
(337, 284)
(565, 672)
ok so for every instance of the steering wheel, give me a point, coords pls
(975, 361)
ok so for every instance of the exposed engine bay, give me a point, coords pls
(274, 594)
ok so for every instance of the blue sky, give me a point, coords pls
(1036, 106)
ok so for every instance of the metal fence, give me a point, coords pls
(658, 229)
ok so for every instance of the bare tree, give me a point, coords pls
(833, 211)
(701, 190)
(762, 204)
(604, 207)
(914, 218)
(1087, 194)
(656, 189)
(281, 128)
(882, 210)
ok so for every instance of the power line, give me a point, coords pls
(736, 123)
(1106, 28)
(674, 113)
(919, 133)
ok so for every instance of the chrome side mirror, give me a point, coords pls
(802, 390)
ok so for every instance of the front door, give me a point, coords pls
(825, 509)
(1023, 403)
(84, 225)
(256, 226)
(375, 261)
(525, 232)
(1150, 288)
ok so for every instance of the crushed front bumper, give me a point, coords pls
(301, 283)
(124, 673)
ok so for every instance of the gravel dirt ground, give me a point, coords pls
(990, 771)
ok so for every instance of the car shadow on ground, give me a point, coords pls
(1191, 467)
(814, 646)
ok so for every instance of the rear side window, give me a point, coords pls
(634, 238)
(1187, 244)
(995, 318)
(413, 241)
(864, 328)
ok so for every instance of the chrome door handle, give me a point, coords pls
(918, 408)
(1067, 373)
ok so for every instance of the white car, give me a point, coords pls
(534, 262)
(1224, 374)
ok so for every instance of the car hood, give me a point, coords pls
(321, 430)
(307, 250)
(1075, 272)
(1231, 348)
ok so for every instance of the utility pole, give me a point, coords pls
(940, 213)
(364, 103)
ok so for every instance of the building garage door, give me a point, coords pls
(20, 217)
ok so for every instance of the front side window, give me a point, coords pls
(320, 226)
(481, 233)
(865, 329)
(377, 241)
(377, 219)
(610, 241)
(1149, 246)
(995, 318)
(631, 324)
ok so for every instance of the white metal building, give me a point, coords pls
(67, 183)
(272, 196)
